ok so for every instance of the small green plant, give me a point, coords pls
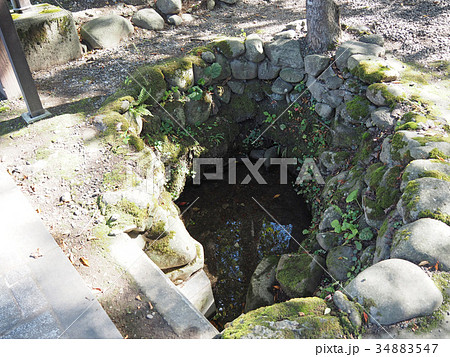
(195, 92)
(138, 107)
(270, 118)
(168, 94)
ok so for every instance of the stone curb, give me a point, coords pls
(175, 308)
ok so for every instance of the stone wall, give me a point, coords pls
(386, 168)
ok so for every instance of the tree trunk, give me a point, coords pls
(322, 18)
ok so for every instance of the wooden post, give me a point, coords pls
(18, 61)
(8, 79)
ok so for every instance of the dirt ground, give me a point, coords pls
(60, 156)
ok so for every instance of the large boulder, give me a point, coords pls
(148, 19)
(395, 290)
(106, 31)
(169, 7)
(423, 240)
(299, 274)
(302, 318)
(262, 280)
(425, 198)
(284, 53)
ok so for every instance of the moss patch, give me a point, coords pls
(308, 312)
(390, 98)
(371, 71)
(427, 324)
(358, 108)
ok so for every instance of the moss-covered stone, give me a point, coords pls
(374, 174)
(388, 192)
(307, 314)
(437, 155)
(373, 70)
(298, 274)
(241, 108)
(358, 108)
(390, 98)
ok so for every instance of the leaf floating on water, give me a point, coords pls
(36, 254)
(424, 262)
(327, 311)
(277, 195)
(84, 261)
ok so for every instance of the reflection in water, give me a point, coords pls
(237, 233)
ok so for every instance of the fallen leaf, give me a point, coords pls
(36, 254)
(301, 313)
(150, 305)
(38, 210)
(414, 328)
(98, 289)
(276, 287)
(424, 262)
(366, 317)
(182, 204)
(436, 267)
(138, 298)
(327, 311)
(84, 261)
(277, 195)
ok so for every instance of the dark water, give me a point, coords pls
(238, 225)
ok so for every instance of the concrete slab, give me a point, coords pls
(185, 320)
(41, 296)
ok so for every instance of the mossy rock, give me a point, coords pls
(381, 94)
(371, 69)
(241, 108)
(299, 274)
(179, 72)
(358, 108)
(170, 244)
(387, 192)
(297, 318)
(426, 197)
(231, 47)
